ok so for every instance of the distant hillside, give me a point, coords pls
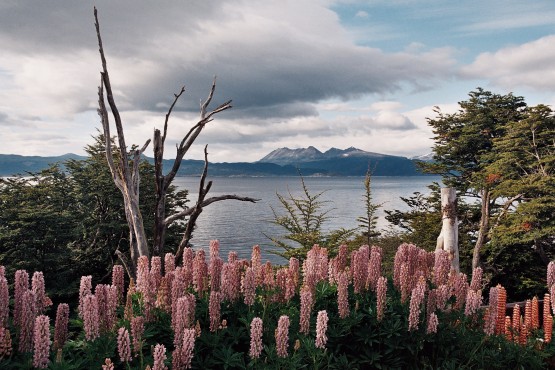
(280, 162)
(11, 164)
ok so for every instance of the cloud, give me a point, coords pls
(361, 14)
(271, 59)
(529, 65)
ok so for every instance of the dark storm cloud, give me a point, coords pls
(269, 66)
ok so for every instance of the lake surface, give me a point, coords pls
(240, 225)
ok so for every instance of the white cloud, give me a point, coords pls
(361, 14)
(530, 65)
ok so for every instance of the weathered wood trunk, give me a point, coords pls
(448, 239)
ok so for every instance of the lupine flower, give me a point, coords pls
(473, 302)
(476, 282)
(108, 365)
(155, 271)
(281, 284)
(360, 268)
(321, 328)
(102, 300)
(163, 297)
(214, 310)
(91, 319)
(508, 328)
(187, 271)
(256, 265)
(269, 279)
(248, 286)
(307, 302)
(528, 314)
(143, 272)
(187, 347)
(294, 271)
(523, 337)
(404, 281)
(215, 267)
(535, 313)
(442, 266)
(41, 299)
(256, 338)
(433, 323)
(551, 293)
(374, 268)
(416, 300)
(546, 305)
(111, 306)
(124, 346)
(169, 263)
(85, 288)
(550, 274)
(128, 309)
(200, 272)
(159, 357)
(290, 285)
(459, 287)
(381, 289)
(442, 296)
(41, 342)
(21, 285)
(548, 328)
(4, 302)
(516, 323)
(5, 343)
(60, 327)
(118, 280)
(178, 321)
(282, 336)
(137, 330)
(343, 295)
(490, 320)
(27, 318)
(501, 307)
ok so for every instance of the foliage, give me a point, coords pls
(69, 223)
(368, 222)
(358, 341)
(303, 220)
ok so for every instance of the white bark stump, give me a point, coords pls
(448, 239)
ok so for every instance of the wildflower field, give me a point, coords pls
(321, 313)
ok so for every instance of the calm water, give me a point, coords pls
(240, 225)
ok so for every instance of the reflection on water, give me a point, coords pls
(240, 225)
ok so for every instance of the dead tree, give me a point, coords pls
(125, 170)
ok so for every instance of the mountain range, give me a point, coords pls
(280, 162)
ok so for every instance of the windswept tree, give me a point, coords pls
(464, 148)
(126, 176)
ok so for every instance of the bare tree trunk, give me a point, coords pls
(484, 228)
(126, 178)
(448, 239)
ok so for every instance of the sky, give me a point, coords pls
(324, 73)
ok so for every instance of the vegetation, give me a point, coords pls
(498, 151)
(69, 223)
(246, 315)
(303, 221)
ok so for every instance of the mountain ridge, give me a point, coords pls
(280, 162)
